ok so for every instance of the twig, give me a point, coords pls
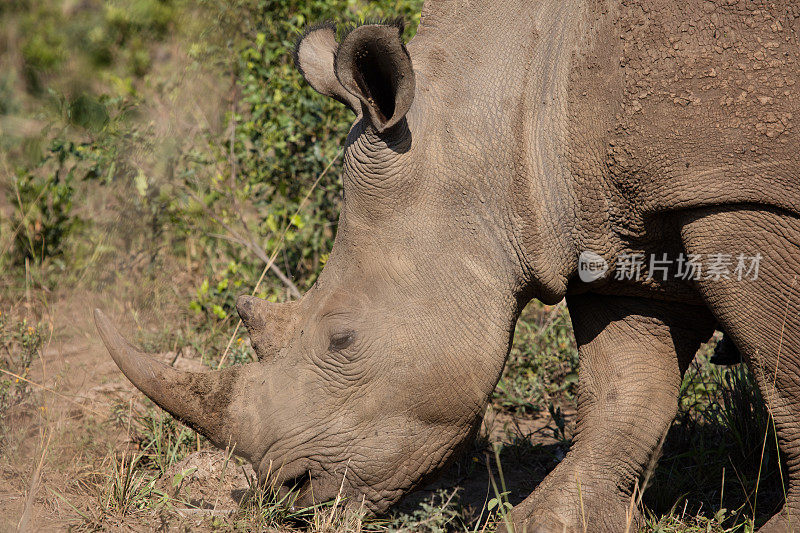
(251, 245)
(17, 376)
(278, 248)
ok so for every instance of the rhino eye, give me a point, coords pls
(340, 341)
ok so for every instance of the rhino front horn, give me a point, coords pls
(199, 399)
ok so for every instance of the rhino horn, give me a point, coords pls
(252, 309)
(201, 400)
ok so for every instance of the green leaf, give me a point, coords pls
(203, 290)
(140, 182)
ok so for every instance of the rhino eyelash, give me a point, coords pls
(340, 341)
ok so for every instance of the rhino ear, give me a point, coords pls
(314, 55)
(373, 64)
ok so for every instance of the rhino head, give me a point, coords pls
(381, 372)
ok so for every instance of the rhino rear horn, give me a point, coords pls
(373, 64)
(199, 399)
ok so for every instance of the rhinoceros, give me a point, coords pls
(639, 158)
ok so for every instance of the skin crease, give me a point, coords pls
(536, 131)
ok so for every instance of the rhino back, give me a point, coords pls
(690, 104)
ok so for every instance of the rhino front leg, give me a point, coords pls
(633, 353)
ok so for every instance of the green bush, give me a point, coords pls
(284, 136)
(720, 458)
(44, 216)
(85, 65)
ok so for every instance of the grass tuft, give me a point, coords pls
(130, 486)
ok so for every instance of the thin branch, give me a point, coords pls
(278, 248)
(51, 391)
(251, 245)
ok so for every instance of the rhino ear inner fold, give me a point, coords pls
(373, 64)
(314, 55)
(199, 399)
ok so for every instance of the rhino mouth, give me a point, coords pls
(310, 489)
(296, 490)
(300, 485)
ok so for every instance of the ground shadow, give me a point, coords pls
(469, 483)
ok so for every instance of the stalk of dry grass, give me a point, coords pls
(33, 486)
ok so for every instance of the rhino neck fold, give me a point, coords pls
(502, 114)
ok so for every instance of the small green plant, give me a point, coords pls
(240, 352)
(677, 521)
(129, 487)
(501, 500)
(501, 505)
(162, 440)
(712, 467)
(439, 513)
(20, 341)
(560, 429)
(217, 297)
(267, 506)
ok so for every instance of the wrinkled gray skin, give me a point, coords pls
(505, 140)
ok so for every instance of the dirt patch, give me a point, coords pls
(208, 480)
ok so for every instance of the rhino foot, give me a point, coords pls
(564, 511)
(539, 524)
(781, 523)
